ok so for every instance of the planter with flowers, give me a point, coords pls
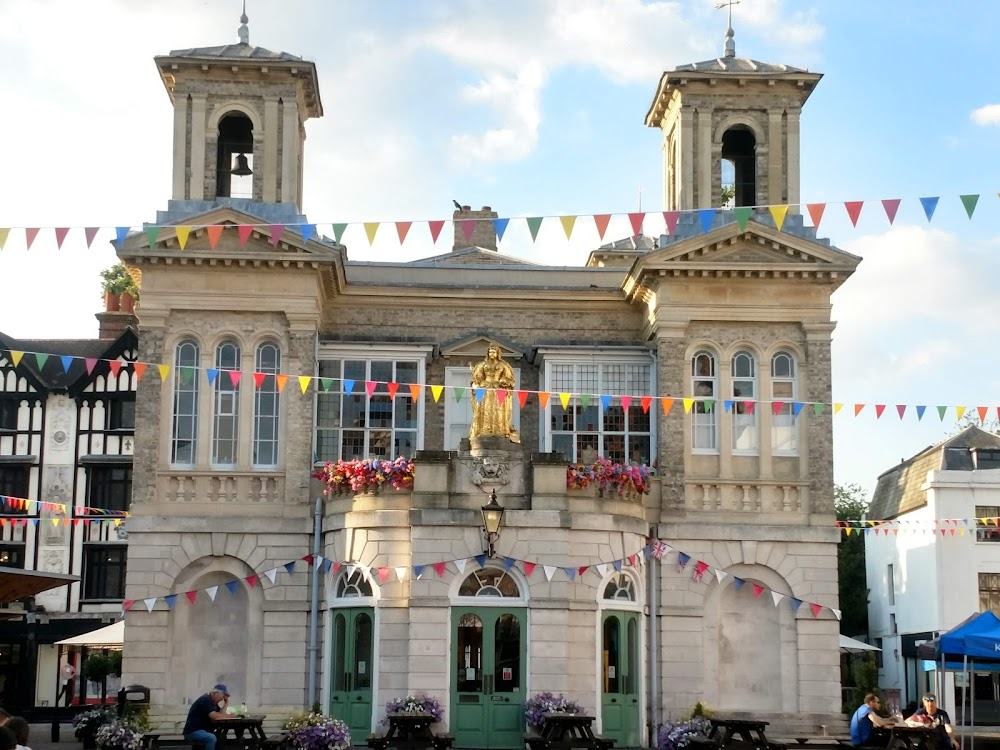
(540, 704)
(676, 735)
(365, 476)
(610, 478)
(86, 724)
(415, 704)
(117, 735)
(315, 731)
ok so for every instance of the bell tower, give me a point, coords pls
(730, 131)
(239, 120)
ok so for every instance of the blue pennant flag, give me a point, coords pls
(211, 374)
(706, 215)
(232, 586)
(738, 582)
(34, 521)
(605, 402)
(796, 603)
(920, 412)
(120, 234)
(797, 407)
(929, 205)
(618, 565)
(682, 560)
(290, 567)
(571, 572)
(500, 226)
(647, 551)
(418, 570)
(480, 393)
(728, 406)
(508, 563)
(481, 559)
(308, 230)
(67, 361)
(348, 386)
(327, 564)
(170, 599)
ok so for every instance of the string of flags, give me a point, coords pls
(417, 390)
(28, 505)
(637, 220)
(656, 548)
(983, 527)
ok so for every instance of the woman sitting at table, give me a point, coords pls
(932, 716)
(209, 707)
(868, 729)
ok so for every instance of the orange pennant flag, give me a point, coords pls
(688, 403)
(564, 400)
(16, 357)
(281, 379)
(436, 392)
(304, 382)
(164, 371)
(778, 214)
(982, 412)
(858, 408)
(370, 228)
(140, 370)
(182, 236)
(415, 391)
(402, 229)
(816, 213)
(214, 233)
(567, 224)
(543, 398)
(668, 404)
(601, 222)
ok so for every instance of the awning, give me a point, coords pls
(18, 584)
(852, 646)
(108, 636)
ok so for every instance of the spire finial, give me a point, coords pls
(244, 29)
(729, 48)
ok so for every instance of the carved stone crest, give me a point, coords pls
(490, 470)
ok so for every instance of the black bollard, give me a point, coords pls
(55, 729)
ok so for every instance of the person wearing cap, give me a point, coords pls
(867, 727)
(206, 709)
(937, 718)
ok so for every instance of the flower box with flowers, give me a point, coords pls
(117, 735)
(86, 724)
(415, 704)
(365, 476)
(540, 704)
(677, 735)
(610, 478)
(312, 731)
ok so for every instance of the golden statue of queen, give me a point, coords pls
(492, 416)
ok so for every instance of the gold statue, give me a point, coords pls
(491, 416)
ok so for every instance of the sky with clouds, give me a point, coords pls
(536, 107)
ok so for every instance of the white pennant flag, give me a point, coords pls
(602, 569)
(150, 603)
(317, 560)
(836, 613)
(212, 591)
(401, 573)
(366, 572)
(271, 574)
(350, 571)
(777, 597)
(460, 564)
(550, 570)
(719, 575)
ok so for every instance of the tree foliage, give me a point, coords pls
(850, 504)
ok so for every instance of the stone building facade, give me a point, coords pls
(222, 467)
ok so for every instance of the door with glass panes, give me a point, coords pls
(619, 669)
(351, 670)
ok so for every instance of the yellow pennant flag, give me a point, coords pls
(370, 228)
(778, 214)
(55, 521)
(281, 379)
(304, 382)
(688, 403)
(164, 371)
(564, 400)
(436, 391)
(567, 223)
(182, 236)
(849, 530)
(16, 357)
(4, 233)
(117, 521)
(959, 410)
(837, 408)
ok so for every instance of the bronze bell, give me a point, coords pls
(242, 169)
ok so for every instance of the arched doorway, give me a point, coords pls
(352, 652)
(619, 666)
(489, 622)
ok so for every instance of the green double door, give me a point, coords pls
(351, 670)
(487, 676)
(620, 678)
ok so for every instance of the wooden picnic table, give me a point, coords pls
(410, 730)
(561, 731)
(248, 732)
(921, 738)
(751, 732)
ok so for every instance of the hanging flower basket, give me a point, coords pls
(624, 480)
(368, 475)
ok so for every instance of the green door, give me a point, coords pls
(487, 684)
(620, 681)
(351, 669)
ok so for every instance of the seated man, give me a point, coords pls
(944, 736)
(210, 706)
(867, 727)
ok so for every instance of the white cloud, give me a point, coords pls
(986, 115)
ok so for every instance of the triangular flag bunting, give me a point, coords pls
(459, 393)
(646, 401)
(307, 230)
(982, 412)
(796, 603)
(164, 372)
(818, 409)
(688, 403)
(251, 581)
(214, 232)
(968, 201)
(89, 362)
(668, 404)
(439, 568)
(191, 595)
(776, 597)
(500, 226)
(635, 220)
(290, 567)
(858, 408)
(271, 574)
(529, 568)
(778, 214)
(601, 222)
(244, 231)
(371, 227)
(534, 222)
(959, 412)
(276, 232)
(415, 391)
(508, 563)
(480, 394)
(258, 379)
(720, 574)
(232, 586)
(418, 570)
(605, 402)
(468, 227)
(522, 398)
(401, 572)
(564, 399)
(757, 590)
(816, 213)
(742, 215)
(941, 410)
(550, 570)
(901, 410)
(816, 609)
(920, 412)
(339, 229)
(61, 233)
(436, 392)
(182, 234)
(929, 205)
(402, 229)
(460, 564)
(16, 356)
(481, 560)
(543, 398)
(89, 232)
(370, 386)
(706, 215)
(879, 408)
(570, 573)
(120, 234)
(383, 574)
(568, 222)
(435, 227)
(348, 386)
(671, 218)
(393, 389)
(891, 206)
(41, 359)
(150, 603)
(854, 210)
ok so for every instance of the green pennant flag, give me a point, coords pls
(709, 403)
(818, 409)
(338, 231)
(534, 222)
(186, 374)
(742, 215)
(941, 411)
(969, 201)
(41, 359)
(459, 392)
(152, 233)
(327, 383)
(585, 400)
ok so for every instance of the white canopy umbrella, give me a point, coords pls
(853, 646)
(107, 637)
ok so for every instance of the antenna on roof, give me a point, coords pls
(729, 49)
(244, 31)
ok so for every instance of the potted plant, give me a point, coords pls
(86, 725)
(415, 704)
(118, 735)
(315, 731)
(365, 475)
(120, 290)
(540, 704)
(97, 668)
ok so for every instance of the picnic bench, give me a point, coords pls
(903, 737)
(561, 731)
(248, 732)
(410, 730)
(747, 732)
(154, 741)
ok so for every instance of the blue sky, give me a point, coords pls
(536, 107)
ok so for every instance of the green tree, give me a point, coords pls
(850, 504)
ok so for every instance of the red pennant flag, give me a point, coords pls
(879, 408)
(115, 366)
(816, 213)
(901, 410)
(636, 221)
(631, 560)
(601, 222)
(439, 568)
(29, 235)
(251, 581)
(234, 378)
(276, 230)
(370, 387)
(858, 408)
(191, 595)
(582, 569)
(90, 233)
(435, 227)
(777, 406)
(61, 233)
(244, 231)
(668, 404)
(393, 388)
(308, 559)
(750, 406)
(468, 227)
(383, 573)
(854, 210)
(982, 412)
(646, 401)
(757, 590)
(529, 568)
(258, 379)
(402, 229)
(671, 218)
(501, 396)
(891, 206)
(214, 232)
(336, 567)
(522, 398)
(91, 364)
(816, 609)
(127, 604)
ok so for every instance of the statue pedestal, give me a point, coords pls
(491, 463)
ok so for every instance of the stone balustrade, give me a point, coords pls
(746, 496)
(221, 487)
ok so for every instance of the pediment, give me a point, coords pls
(475, 347)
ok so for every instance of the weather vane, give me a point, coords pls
(730, 47)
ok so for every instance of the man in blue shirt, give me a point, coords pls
(867, 727)
(944, 736)
(210, 706)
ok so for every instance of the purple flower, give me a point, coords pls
(425, 704)
(317, 732)
(673, 736)
(540, 704)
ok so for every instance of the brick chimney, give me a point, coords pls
(114, 320)
(484, 235)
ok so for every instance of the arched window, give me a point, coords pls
(490, 582)
(184, 433)
(620, 588)
(784, 432)
(234, 165)
(265, 405)
(704, 416)
(739, 176)
(744, 382)
(353, 586)
(226, 414)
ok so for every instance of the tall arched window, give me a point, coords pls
(184, 432)
(267, 363)
(744, 383)
(704, 416)
(226, 411)
(784, 435)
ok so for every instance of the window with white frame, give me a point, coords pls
(226, 407)
(267, 363)
(704, 412)
(744, 396)
(458, 411)
(592, 426)
(184, 432)
(351, 423)
(784, 433)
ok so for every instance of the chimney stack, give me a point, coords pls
(484, 235)
(119, 314)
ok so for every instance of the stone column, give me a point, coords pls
(792, 164)
(705, 165)
(148, 398)
(180, 147)
(774, 173)
(198, 104)
(725, 419)
(817, 442)
(289, 152)
(297, 412)
(269, 166)
(686, 197)
(671, 437)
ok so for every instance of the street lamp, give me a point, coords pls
(492, 518)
